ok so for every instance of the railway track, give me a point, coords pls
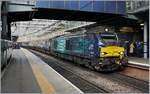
(91, 81)
(139, 73)
(84, 85)
(131, 81)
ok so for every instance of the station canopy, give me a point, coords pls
(103, 12)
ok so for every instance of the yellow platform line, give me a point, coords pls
(44, 85)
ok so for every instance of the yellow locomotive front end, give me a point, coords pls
(111, 55)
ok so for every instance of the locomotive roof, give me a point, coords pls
(77, 34)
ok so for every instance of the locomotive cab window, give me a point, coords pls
(108, 37)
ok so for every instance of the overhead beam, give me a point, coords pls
(15, 7)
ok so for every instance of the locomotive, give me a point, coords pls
(99, 51)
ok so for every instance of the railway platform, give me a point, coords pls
(29, 74)
(140, 62)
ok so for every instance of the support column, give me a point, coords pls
(145, 39)
(9, 31)
(4, 20)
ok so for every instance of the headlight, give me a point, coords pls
(102, 53)
(121, 53)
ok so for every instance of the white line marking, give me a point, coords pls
(146, 65)
(68, 81)
(41, 61)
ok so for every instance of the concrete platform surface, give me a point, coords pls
(29, 74)
(139, 61)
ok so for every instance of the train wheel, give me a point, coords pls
(97, 67)
(121, 68)
(89, 66)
